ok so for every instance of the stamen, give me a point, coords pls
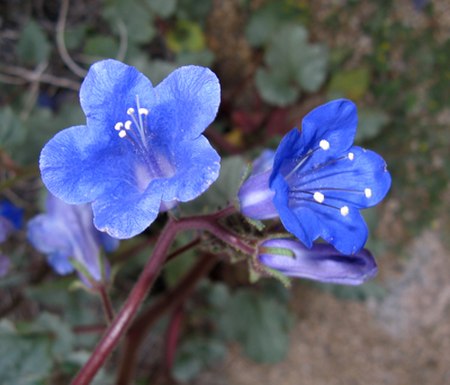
(122, 133)
(130, 111)
(351, 155)
(128, 125)
(367, 192)
(324, 144)
(143, 111)
(318, 197)
(118, 126)
(344, 211)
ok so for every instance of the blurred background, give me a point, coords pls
(276, 60)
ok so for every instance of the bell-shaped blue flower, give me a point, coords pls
(142, 147)
(321, 262)
(320, 181)
(66, 234)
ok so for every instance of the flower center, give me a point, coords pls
(152, 162)
(320, 195)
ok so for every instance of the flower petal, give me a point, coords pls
(125, 212)
(321, 263)
(334, 122)
(76, 159)
(188, 99)
(109, 89)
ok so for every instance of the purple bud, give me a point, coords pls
(321, 263)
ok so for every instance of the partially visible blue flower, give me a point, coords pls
(11, 218)
(319, 181)
(67, 235)
(142, 148)
(322, 262)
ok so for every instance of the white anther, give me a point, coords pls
(143, 111)
(344, 211)
(367, 192)
(324, 144)
(130, 111)
(351, 155)
(122, 133)
(318, 197)
(118, 126)
(128, 125)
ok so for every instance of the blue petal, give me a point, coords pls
(361, 181)
(264, 162)
(49, 237)
(311, 220)
(60, 263)
(189, 99)
(321, 263)
(109, 89)
(78, 164)
(11, 212)
(335, 122)
(196, 165)
(125, 212)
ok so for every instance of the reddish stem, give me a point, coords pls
(106, 302)
(172, 336)
(151, 270)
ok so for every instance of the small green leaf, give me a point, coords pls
(101, 46)
(313, 70)
(370, 123)
(352, 84)
(275, 89)
(187, 36)
(193, 9)
(136, 17)
(259, 324)
(12, 131)
(163, 8)
(33, 46)
(196, 353)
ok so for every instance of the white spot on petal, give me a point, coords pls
(324, 144)
(122, 133)
(318, 197)
(344, 211)
(367, 192)
(351, 155)
(128, 125)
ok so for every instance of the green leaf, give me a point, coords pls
(202, 58)
(156, 70)
(101, 46)
(24, 360)
(193, 9)
(275, 89)
(370, 123)
(187, 36)
(12, 131)
(33, 46)
(196, 353)
(352, 84)
(178, 267)
(222, 192)
(163, 8)
(292, 65)
(136, 17)
(259, 324)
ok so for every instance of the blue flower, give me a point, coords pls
(321, 263)
(67, 235)
(11, 218)
(142, 148)
(320, 181)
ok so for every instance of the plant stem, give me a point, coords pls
(144, 322)
(106, 302)
(151, 270)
